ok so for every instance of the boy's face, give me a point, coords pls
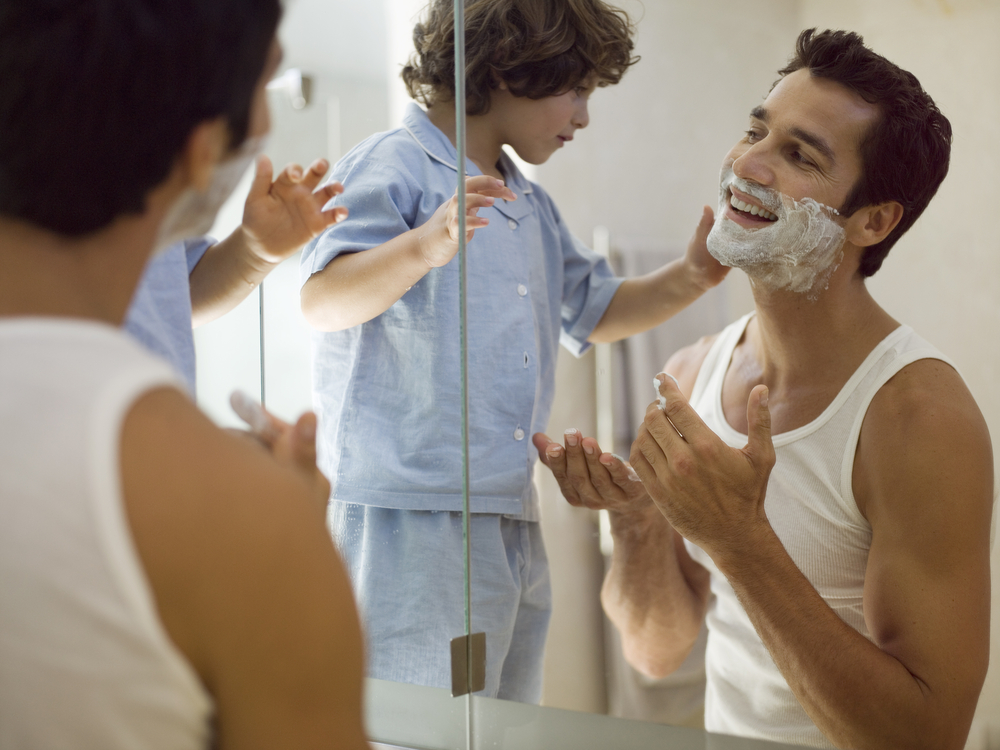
(535, 128)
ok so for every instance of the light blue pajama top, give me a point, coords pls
(387, 392)
(160, 314)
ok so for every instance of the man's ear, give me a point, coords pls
(205, 148)
(870, 225)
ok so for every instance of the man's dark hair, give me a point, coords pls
(98, 98)
(538, 48)
(905, 153)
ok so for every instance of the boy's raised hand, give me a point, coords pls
(281, 216)
(702, 268)
(438, 237)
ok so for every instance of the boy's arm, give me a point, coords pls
(278, 218)
(646, 301)
(245, 577)
(355, 287)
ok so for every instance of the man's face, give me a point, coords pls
(782, 183)
(195, 210)
(260, 115)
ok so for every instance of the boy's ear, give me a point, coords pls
(870, 225)
(205, 148)
(498, 82)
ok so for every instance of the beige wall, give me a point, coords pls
(650, 157)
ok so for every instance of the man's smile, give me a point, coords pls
(748, 208)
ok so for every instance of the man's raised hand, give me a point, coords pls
(711, 493)
(292, 445)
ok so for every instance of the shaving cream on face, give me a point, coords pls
(798, 252)
(194, 212)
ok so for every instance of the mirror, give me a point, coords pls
(642, 169)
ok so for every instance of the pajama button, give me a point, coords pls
(512, 224)
(519, 434)
(521, 290)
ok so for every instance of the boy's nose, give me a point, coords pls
(582, 117)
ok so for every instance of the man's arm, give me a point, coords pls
(355, 287)
(246, 579)
(278, 218)
(644, 302)
(923, 477)
(654, 593)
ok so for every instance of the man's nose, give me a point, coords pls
(754, 165)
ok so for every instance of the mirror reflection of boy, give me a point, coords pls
(381, 288)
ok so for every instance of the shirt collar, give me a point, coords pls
(437, 146)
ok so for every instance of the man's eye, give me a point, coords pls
(797, 156)
(752, 135)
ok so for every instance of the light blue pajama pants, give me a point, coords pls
(406, 568)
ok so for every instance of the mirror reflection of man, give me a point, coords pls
(817, 467)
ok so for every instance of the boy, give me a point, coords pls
(165, 584)
(382, 287)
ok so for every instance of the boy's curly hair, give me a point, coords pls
(537, 47)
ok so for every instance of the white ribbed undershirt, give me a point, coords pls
(811, 506)
(84, 659)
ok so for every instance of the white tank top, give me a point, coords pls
(84, 659)
(811, 506)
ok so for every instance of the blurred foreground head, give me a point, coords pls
(98, 98)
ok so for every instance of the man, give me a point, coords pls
(847, 590)
(165, 583)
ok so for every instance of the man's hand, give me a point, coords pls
(281, 216)
(438, 237)
(589, 478)
(701, 267)
(711, 493)
(293, 445)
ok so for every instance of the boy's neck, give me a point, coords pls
(482, 142)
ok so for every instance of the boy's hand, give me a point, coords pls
(438, 237)
(281, 216)
(703, 270)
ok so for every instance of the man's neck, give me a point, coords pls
(50, 275)
(804, 349)
(483, 143)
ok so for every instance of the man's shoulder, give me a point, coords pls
(685, 364)
(922, 421)
(174, 452)
(927, 395)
